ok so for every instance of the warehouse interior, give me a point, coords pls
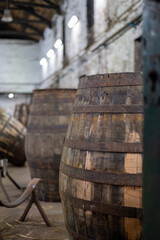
(104, 40)
(79, 111)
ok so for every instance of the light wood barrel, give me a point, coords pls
(12, 135)
(47, 125)
(101, 165)
(21, 113)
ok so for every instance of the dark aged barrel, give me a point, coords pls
(47, 125)
(101, 166)
(21, 113)
(12, 134)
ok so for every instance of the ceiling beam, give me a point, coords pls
(25, 16)
(14, 31)
(19, 21)
(51, 5)
(54, 5)
(20, 38)
(6, 33)
(26, 25)
(31, 11)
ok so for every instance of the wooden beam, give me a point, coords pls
(9, 26)
(54, 5)
(19, 21)
(49, 4)
(6, 27)
(6, 33)
(19, 37)
(31, 11)
(26, 25)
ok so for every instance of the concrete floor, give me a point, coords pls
(33, 227)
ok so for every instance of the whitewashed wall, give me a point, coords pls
(76, 38)
(101, 18)
(20, 69)
(113, 47)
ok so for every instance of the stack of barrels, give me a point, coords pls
(100, 179)
(101, 165)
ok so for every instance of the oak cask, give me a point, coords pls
(47, 125)
(101, 165)
(21, 113)
(12, 136)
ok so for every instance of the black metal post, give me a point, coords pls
(151, 166)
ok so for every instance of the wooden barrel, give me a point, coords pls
(12, 135)
(47, 125)
(101, 166)
(21, 113)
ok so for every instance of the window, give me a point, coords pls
(138, 54)
(90, 21)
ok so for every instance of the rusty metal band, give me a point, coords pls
(47, 129)
(111, 178)
(104, 146)
(108, 109)
(1, 131)
(50, 113)
(112, 81)
(75, 235)
(52, 100)
(104, 208)
(44, 165)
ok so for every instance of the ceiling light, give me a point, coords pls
(72, 22)
(58, 43)
(10, 95)
(7, 17)
(43, 61)
(50, 53)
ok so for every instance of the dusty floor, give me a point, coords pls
(33, 227)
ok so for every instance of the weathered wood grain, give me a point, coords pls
(12, 134)
(101, 165)
(47, 125)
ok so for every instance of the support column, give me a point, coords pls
(151, 166)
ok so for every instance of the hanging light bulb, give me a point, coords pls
(7, 17)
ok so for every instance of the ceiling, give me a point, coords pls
(30, 18)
